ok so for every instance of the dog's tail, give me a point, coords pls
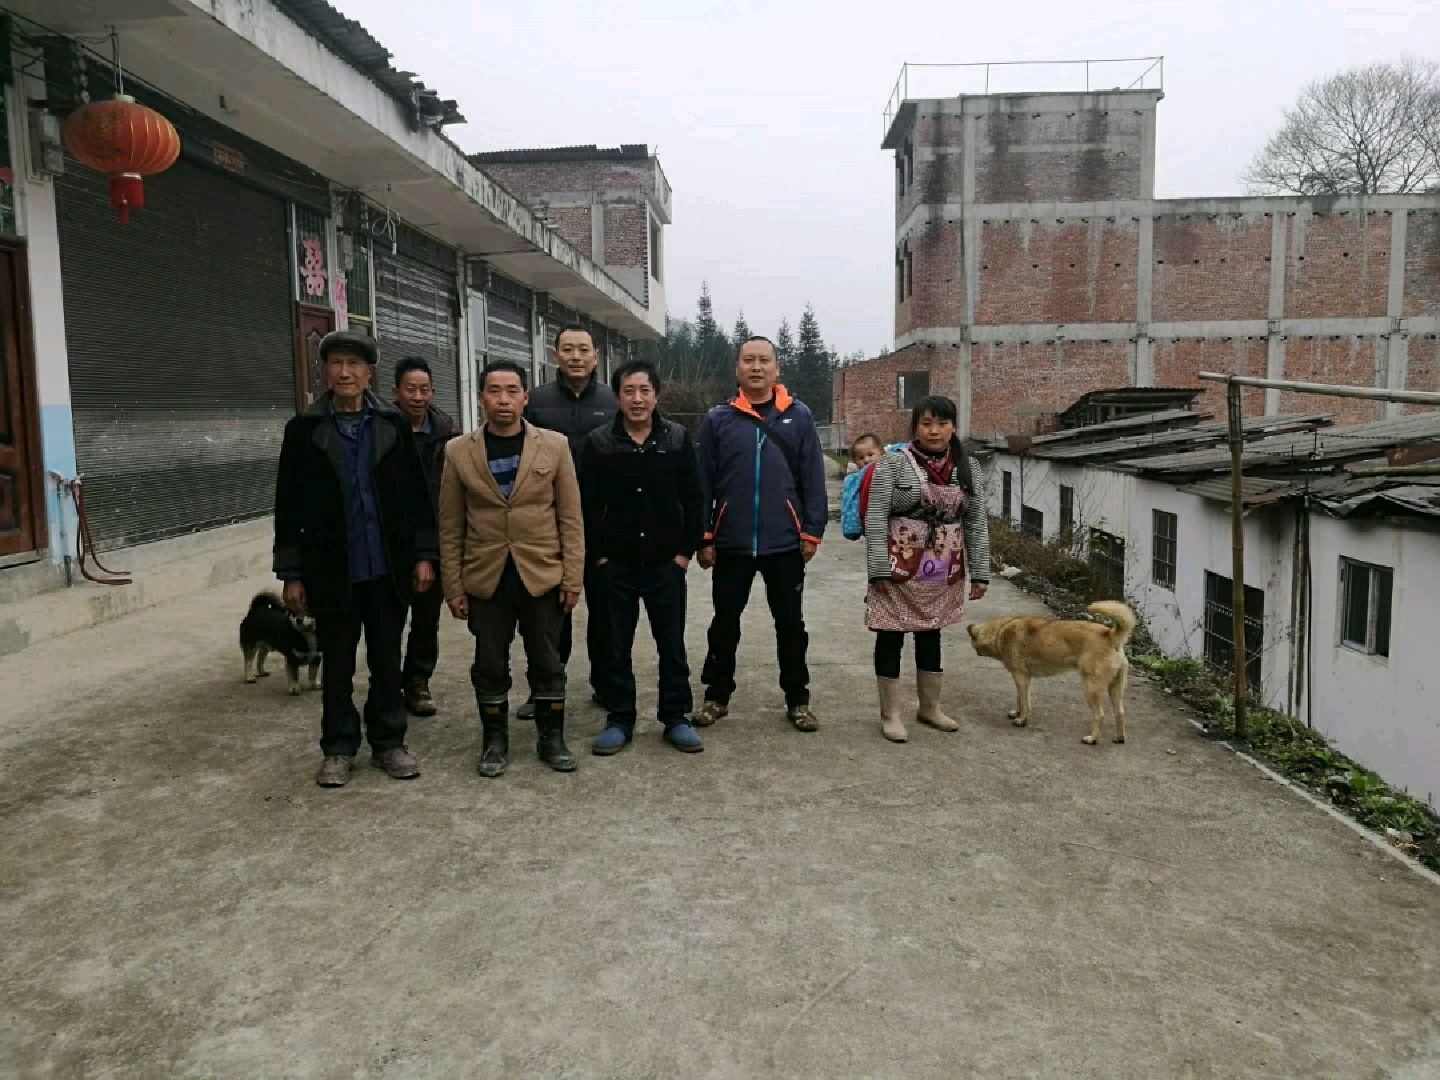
(1119, 614)
(266, 600)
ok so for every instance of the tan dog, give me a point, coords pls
(1033, 647)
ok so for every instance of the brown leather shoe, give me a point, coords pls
(803, 718)
(418, 701)
(399, 763)
(335, 771)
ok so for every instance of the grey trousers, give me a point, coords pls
(541, 620)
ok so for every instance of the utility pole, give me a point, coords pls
(1235, 413)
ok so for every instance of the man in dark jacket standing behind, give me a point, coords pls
(355, 538)
(575, 404)
(640, 488)
(432, 429)
(764, 492)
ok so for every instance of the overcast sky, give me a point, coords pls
(767, 116)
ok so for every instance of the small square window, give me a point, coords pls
(1365, 607)
(911, 387)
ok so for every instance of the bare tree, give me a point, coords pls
(1370, 130)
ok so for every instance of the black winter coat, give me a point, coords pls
(431, 446)
(556, 407)
(310, 520)
(642, 504)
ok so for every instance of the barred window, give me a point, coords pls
(1164, 549)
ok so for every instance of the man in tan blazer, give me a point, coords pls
(512, 551)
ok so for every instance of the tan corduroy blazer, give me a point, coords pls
(539, 526)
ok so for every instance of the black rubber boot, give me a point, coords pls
(495, 748)
(550, 725)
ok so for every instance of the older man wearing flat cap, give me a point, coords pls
(355, 539)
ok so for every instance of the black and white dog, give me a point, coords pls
(271, 627)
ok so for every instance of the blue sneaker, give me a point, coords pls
(611, 741)
(684, 737)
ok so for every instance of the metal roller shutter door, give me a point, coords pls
(181, 350)
(508, 332)
(416, 309)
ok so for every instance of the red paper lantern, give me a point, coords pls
(125, 140)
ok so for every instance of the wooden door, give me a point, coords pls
(312, 324)
(22, 508)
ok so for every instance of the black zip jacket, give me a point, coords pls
(431, 446)
(642, 504)
(556, 407)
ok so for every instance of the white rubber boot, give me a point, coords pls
(930, 684)
(890, 722)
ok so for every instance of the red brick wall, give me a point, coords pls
(865, 394)
(1178, 362)
(1337, 265)
(529, 180)
(1044, 271)
(1211, 267)
(1016, 387)
(573, 225)
(1423, 369)
(1083, 156)
(1422, 263)
(939, 280)
(627, 235)
(1355, 361)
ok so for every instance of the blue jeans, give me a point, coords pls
(662, 590)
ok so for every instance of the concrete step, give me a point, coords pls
(162, 572)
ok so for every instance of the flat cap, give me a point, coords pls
(363, 344)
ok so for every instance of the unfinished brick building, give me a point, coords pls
(612, 204)
(1033, 264)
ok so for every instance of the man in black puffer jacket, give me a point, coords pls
(415, 394)
(644, 517)
(575, 404)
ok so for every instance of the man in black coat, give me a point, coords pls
(575, 404)
(644, 518)
(355, 539)
(432, 429)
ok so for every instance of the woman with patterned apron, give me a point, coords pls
(927, 540)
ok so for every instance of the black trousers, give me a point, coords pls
(378, 614)
(422, 648)
(493, 623)
(597, 632)
(784, 576)
(890, 643)
(663, 592)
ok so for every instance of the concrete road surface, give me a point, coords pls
(178, 898)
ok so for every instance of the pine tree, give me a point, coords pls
(812, 370)
(742, 332)
(785, 345)
(711, 344)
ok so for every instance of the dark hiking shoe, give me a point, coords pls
(418, 701)
(708, 713)
(526, 711)
(335, 772)
(399, 763)
(803, 718)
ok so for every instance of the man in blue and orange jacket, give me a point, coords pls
(763, 484)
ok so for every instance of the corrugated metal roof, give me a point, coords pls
(1178, 439)
(1096, 432)
(1304, 449)
(1252, 488)
(358, 47)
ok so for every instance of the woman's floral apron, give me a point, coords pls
(928, 582)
